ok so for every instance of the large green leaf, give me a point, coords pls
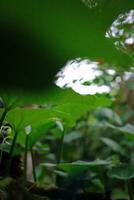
(122, 172)
(75, 167)
(69, 106)
(128, 130)
(79, 166)
(52, 96)
(40, 120)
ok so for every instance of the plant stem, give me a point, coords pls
(59, 155)
(60, 151)
(1, 151)
(11, 151)
(3, 116)
(129, 190)
(13, 144)
(33, 165)
(106, 187)
(25, 157)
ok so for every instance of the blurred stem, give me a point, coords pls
(33, 165)
(13, 144)
(3, 116)
(106, 186)
(60, 151)
(59, 156)
(11, 151)
(129, 190)
(25, 157)
(1, 151)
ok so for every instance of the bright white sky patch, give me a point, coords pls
(76, 73)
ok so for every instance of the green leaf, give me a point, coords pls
(109, 114)
(96, 186)
(48, 164)
(40, 121)
(69, 107)
(122, 172)
(76, 167)
(113, 145)
(74, 135)
(59, 125)
(49, 98)
(128, 128)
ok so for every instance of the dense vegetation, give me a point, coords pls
(66, 133)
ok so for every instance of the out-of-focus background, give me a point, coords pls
(39, 37)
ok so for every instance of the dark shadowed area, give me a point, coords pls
(38, 37)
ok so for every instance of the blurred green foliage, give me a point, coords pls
(78, 142)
